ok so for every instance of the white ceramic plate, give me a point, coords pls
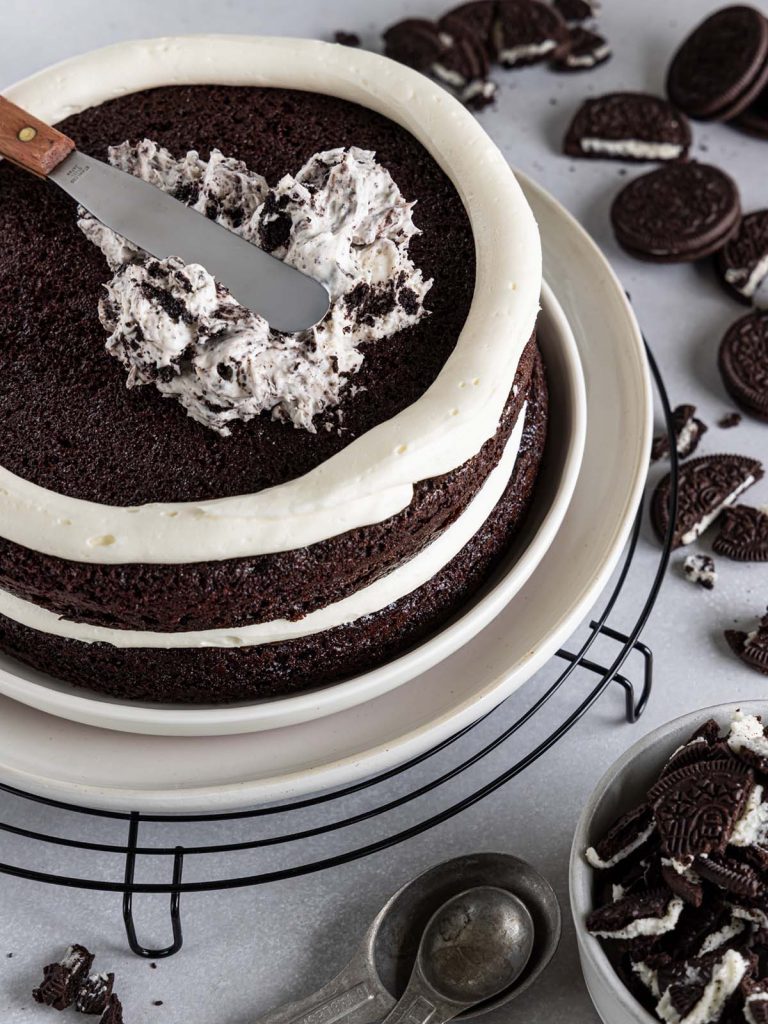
(554, 492)
(58, 758)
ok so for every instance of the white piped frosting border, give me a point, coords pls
(373, 477)
(377, 595)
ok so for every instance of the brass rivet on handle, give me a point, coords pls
(27, 134)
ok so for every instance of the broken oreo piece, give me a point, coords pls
(683, 881)
(113, 1012)
(625, 836)
(743, 363)
(756, 1001)
(707, 486)
(631, 126)
(699, 989)
(730, 875)
(585, 50)
(635, 917)
(573, 12)
(94, 993)
(747, 738)
(743, 261)
(730, 420)
(751, 648)
(688, 432)
(62, 981)
(743, 535)
(696, 807)
(722, 66)
(526, 32)
(677, 213)
(464, 67)
(700, 569)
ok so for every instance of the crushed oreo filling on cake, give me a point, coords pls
(341, 219)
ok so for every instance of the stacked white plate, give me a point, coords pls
(59, 742)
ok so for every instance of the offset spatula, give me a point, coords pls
(161, 225)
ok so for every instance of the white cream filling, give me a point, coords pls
(512, 54)
(746, 731)
(706, 521)
(632, 147)
(648, 976)
(725, 978)
(588, 60)
(373, 477)
(379, 594)
(752, 827)
(749, 287)
(717, 939)
(648, 925)
(594, 859)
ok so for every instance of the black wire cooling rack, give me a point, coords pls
(34, 846)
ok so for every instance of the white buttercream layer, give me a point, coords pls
(635, 148)
(373, 477)
(392, 587)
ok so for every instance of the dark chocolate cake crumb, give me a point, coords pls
(730, 420)
(346, 38)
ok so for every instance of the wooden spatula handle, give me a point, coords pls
(30, 143)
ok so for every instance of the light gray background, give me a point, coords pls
(248, 950)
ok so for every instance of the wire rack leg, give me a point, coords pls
(175, 907)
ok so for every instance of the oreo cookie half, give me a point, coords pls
(683, 211)
(585, 50)
(743, 261)
(414, 41)
(722, 66)
(632, 126)
(697, 807)
(113, 1012)
(743, 362)
(688, 432)
(751, 648)
(743, 535)
(625, 836)
(707, 486)
(528, 31)
(94, 993)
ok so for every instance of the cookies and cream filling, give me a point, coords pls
(511, 55)
(747, 732)
(340, 219)
(706, 521)
(723, 980)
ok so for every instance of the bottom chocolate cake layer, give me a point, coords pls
(219, 675)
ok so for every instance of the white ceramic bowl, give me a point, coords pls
(622, 787)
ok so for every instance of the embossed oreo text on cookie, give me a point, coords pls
(743, 362)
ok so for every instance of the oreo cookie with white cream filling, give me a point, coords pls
(743, 261)
(528, 31)
(688, 432)
(707, 485)
(585, 50)
(630, 126)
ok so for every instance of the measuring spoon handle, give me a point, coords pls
(353, 997)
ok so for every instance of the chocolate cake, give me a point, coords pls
(108, 596)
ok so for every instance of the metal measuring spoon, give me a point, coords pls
(368, 988)
(475, 946)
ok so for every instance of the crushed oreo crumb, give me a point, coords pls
(700, 569)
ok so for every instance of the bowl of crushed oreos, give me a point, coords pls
(669, 874)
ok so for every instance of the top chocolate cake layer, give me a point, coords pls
(70, 423)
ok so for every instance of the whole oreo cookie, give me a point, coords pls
(743, 261)
(755, 118)
(706, 486)
(585, 50)
(528, 31)
(743, 362)
(722, 66)
(744, 534)
(679, 212)
(628, 126)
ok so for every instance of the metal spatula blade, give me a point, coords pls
(161, 225)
